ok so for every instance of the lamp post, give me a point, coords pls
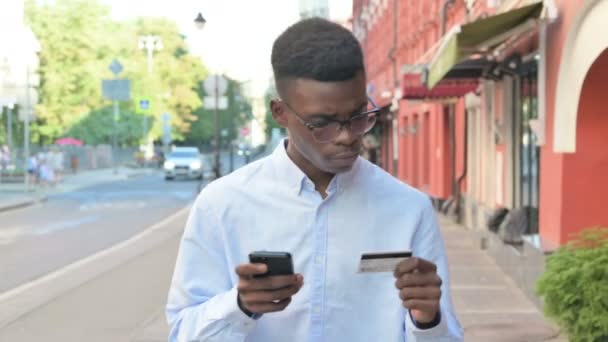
(200, 22)
(149, 43)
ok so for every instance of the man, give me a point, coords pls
(315, 198)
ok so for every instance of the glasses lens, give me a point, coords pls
(327, 133)
(362, 124)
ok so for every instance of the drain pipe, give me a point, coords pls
(391, 56)
(444, 15)
(451, 115)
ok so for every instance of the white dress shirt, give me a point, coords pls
(271, 205)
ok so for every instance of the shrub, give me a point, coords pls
(574, 286)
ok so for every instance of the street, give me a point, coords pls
(119, 293)
(69, 226)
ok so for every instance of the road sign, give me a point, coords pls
(116, 90)
(166, 128)
(144, 105)
(210, 84)
(115, 67)
(222, 102)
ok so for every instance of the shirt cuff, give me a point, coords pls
(229, 311)
(419, 333)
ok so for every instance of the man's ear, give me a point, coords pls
(278, 113)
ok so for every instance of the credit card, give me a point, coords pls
(381, 262)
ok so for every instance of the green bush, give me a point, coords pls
(575, 286)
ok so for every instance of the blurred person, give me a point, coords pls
(46, 174)
(317, 199)
(32, 168)
(57, 161)
(5, 158)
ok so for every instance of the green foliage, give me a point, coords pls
(575, 286)
(231, 119)
(78, 42)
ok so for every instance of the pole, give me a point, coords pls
(26, 129)
(115, 136)
(217, 129)
(9, 128)
(231, 156)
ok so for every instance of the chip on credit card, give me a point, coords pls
(381, 262)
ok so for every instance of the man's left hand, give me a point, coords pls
(419, 288)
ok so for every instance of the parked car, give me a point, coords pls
(184, 161)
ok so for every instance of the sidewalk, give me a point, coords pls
(13, 196)
(488, 303)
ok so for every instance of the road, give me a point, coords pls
(40, 239)
(113, 305)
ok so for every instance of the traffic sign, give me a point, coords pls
(212, 81)
(222, 102)
(144, 105)
(116, 90)
(115, 67)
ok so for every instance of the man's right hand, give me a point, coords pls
(265, 294)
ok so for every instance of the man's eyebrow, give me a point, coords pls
(335, 115)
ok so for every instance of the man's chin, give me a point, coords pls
(343, 166)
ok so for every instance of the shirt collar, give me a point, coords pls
(296, 178)
(287, 169)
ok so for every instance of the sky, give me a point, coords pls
(238, 36)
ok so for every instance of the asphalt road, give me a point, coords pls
(40, 239)
(114, 305)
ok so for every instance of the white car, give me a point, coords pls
(184, 161)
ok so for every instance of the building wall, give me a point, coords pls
(552, 209)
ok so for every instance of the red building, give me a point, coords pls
(492, 107)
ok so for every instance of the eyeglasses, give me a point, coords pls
(326, 129)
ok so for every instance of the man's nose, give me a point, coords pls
(346, 136)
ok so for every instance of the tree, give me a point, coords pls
(230, 119)
(78, 42)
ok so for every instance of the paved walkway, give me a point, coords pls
(15, 195)
(489, 304)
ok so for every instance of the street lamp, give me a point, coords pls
(199, 21)
(149, 43)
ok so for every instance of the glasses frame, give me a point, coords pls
(342, 123)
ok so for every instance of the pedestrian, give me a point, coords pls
(315, 198)
(46, 174)
(5, 158)
(32, 168)
(57, 163)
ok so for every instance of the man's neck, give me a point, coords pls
(320, 178)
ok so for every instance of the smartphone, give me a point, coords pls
(279, 263)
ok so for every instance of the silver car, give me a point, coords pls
(184, 161)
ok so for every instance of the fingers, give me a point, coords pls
(423, 293)
(410, 264)
(249, 270)
(267, 307)
(418, 279)
(268, 283)
(256, 297)
(424, 305)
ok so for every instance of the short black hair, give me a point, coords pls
(316, 49)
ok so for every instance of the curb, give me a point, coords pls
(22, 204)
(27, 297)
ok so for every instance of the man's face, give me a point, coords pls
(315, 102)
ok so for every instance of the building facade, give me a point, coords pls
(494, 108)
(314, 8)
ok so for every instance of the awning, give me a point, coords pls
(414, 89)
(480, 36)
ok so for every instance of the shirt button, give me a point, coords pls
(316, 309)
(319, 259)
